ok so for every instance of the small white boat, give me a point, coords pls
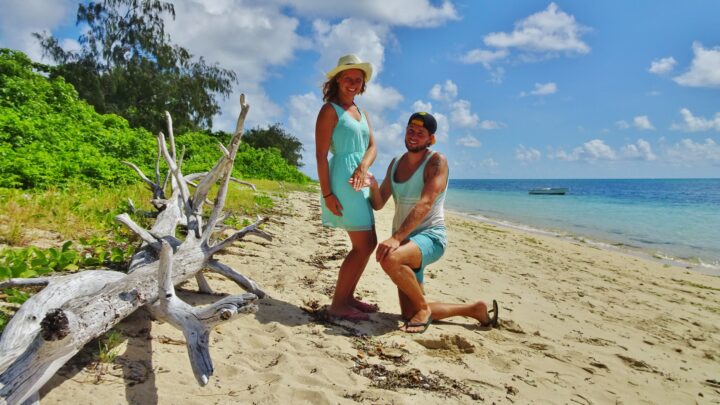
(549, 190)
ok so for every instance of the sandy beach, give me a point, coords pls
(579, 325)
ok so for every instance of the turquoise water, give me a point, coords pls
(676, 219)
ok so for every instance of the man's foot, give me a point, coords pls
(483, 314)
(364, 306)
(349, 314)
(419, 323)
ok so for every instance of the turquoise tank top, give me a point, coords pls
(407, 193)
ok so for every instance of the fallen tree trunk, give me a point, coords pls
(72, 310)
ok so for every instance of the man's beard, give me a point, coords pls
(416, 148)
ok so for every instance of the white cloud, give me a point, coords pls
(549, 31)
(248, 40)
(378, 98)
(705, 68)
(489, 163)
(443, 132)
(591, 151)
(490, 125)
(390, 139)
(19, 19)
(413, 13)
(420, 105)
(640, 150)
(497, 75)
(688, 151)
(527, 155)
(541, 90)
(696, 124)
(468, 141)
(302, 113)
(461, 115)
(351, 35)
(485, 57)
(444, 92)
(642, 122)
(662, 66)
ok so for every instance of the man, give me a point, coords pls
(418, 181)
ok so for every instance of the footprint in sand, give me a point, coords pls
(511, 326)
(454, 343)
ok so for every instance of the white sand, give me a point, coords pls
(578, 325)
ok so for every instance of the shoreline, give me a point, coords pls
(577, 324)
(635, 251)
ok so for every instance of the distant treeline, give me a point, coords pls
(50, 137)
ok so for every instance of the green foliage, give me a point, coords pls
(127, 65)
(266, 164)
(4, 319)
(275, 136)
(15, 296)
(201, 154)
(49, 137)
(107, 345)
(32, 261)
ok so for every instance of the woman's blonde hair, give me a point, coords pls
(330, 87)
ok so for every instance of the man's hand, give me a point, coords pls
(385, 248)
(358, 178)
(333, 204)
(369, 181)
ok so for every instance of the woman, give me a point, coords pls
(345, 131)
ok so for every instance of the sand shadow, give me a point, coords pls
(136, 362)
(133, 366)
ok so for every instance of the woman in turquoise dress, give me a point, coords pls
(343, 130)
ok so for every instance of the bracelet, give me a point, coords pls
(328, 195)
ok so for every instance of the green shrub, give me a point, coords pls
(51, 138)
(201, 154)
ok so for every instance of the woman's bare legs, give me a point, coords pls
(344, 304)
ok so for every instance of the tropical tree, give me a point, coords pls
(274, 136)
(127, 65)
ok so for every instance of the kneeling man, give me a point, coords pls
(418, 180)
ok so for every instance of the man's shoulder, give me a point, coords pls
(438, 158)
(437, 166)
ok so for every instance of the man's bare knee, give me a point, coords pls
(390, 263)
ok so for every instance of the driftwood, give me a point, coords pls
(71, 310)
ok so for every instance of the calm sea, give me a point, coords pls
(674, 219)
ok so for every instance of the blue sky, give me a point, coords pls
(521, 89)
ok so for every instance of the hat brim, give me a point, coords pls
(365, 67)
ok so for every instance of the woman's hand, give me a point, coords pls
(357, 180)
(369, 181)
(333, 204)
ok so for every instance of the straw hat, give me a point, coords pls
(351, 62)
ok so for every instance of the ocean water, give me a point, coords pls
(673, 219)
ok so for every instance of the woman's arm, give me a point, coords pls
(358, 176)
(326, 121)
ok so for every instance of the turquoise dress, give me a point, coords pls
(348, 144)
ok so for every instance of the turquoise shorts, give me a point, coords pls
(432, 244)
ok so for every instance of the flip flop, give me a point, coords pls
(494, 320)
(424, 325)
